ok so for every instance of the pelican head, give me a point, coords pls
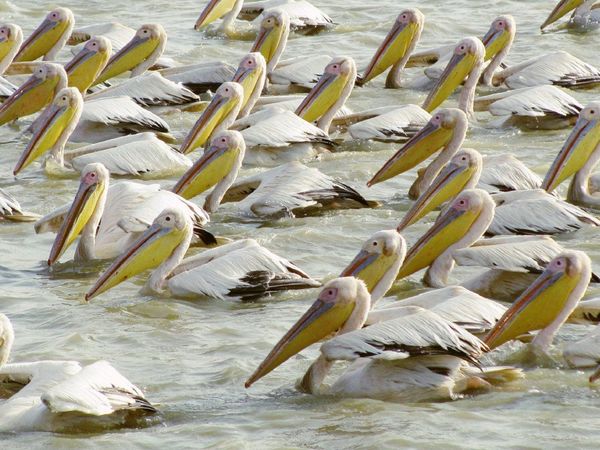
(330, 92)
(436, 134)
(86, 65)
(467, 58)
(378, 262)
(171, 230)
(462, 172)
(561, 9)
(89, 202)
(218, 115)
(342, 306)
(397, 45)
(49, 37)
(252, 75)
(577, 149)
(39, 90)
(11, 38)
(272, 36)
(7, 337)
(215, 9)
(53, 127)
(219, 164)
(499, 36)
(463, 222)
(138, 55)
(547, 303)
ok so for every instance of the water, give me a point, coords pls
(191, 358)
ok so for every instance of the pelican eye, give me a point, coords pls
(64, 99)
(223, 140)
(375, 244)
(592, 111)
(462, 47)
(168, 218)
(404, 16)
(500, 24)
(462, 202)
(464, 158)
(54, 15)
(93, 175)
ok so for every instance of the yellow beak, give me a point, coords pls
(370, 267)
(267, 42)
(136, 51)
(53, 122)
(535, 309)
(393, 49)
(248, 78)
(29, 98)
(563, 8)
(454, 74)
(578, 147)
(322, 96)
(448, 184)
(85, 67)
(154, 246)
(210, 169)
(494, 41)
(84, 205)
(321, 320)
(6, 45)
(416, 150)
(211, 117)
(448, 229)
(42, 40)
(213, 11)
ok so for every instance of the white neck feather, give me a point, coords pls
(86, 248)
(256, 93)
(156, 281)
(488, 73)
(579, 192)
(149, 62)
(271, 65)
(467, 94)
(7, 338)
(325, 120)
(229, 18)
(213, 200)
(393, 80)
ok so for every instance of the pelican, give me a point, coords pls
(11, 37)
(251, 75)
(109, 218)
(39, 90)
(55, 388)
(142, 51)
(10, 209)
(420, 357)
(547, 303)
(218, 115)
(577, 158)
(386, 124)
(49, 38)
(141, 154)
(585, 17)
(395, 49)
(86, 65)
(466, 62)
(242, 269)
(446, 131)
(584, 353)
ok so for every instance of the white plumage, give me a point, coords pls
(506, 173)
(396, 125)
(10, 209)
(302, 72)
(303, 15)
(200, 77)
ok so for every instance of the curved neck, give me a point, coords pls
(256, 92)
(229, 18)
(150, 60)
(467, 94)
(324, 122)
(213, 200)
(579, 192)
(57, 152)
(393, 78)
(385, 283)
(156, 281)
(86, 249)
(488, 73)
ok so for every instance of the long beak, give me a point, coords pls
(448, 184)
(248, 79)
(136, 51)
(562, 8)
(321, 320)
(416, 150)
(369, 267)
(41, 40)
(211, 117)
(447, 229)
(392, 49)
(154, 246)
(84, 67)
(576, 150)
(84, 205)
(210, 169)
(322, 96)
(454, 74)
(267, 41)
(52, 123)
(6, 46)
(494, 41)
(535, 309)
(21, 100)
(213, 11)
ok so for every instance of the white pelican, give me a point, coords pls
(85, 66)
(10, 209)
(251, 74)
(11, 37)
(386, 124)
(419, 357)
(53, 388)
(584, 353)
(395, 49)
(466, 62)
(242, 269)
(446, 131)
(585, 17)
(578, 158)
(547, 303)
(49, 37)
(141, 154)
(39, 90)
(109, 218)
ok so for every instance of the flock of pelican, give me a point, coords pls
(98, 116)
